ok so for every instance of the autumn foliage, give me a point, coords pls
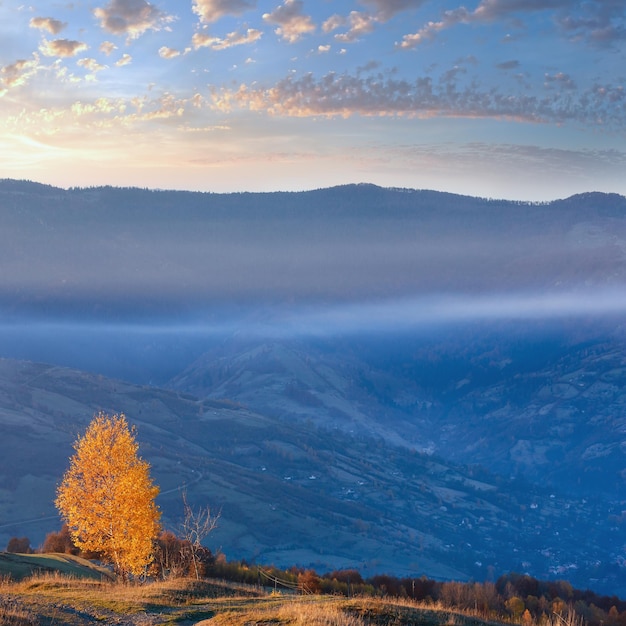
(107, 496)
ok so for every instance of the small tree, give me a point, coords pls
(60, 541)
(197, 524)
(19, 545)
(107, 496)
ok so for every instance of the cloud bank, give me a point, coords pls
(344, 95)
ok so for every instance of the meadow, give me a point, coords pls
(56, 589)
(55, 599)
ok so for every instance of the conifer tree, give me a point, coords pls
(107, 496)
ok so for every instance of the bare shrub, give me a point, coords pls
(19, 545)
(60, 541)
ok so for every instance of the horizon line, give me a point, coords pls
(361, 184)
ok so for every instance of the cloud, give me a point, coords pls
(201, 40)
(213, 10)
(99, 113)
(107, 47)
(490, 10)
(100, 109)
(449, 19)
(508, 65)
(125, 60)
(130, 17)
(559, 80)
(168, 53)
(360, 24)
(334, 22)
(17, 73)
(62, 47)
(54, 27)
(596, 21)
(164, 107)
(386, 9)
(91, 64)
(292, 23)
(413, 312)
(344, 95)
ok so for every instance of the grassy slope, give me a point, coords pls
(19, 566)
(58, 600)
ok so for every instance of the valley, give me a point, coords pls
(318, 488)
(396, 381)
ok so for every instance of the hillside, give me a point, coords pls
(48, 601)
(395, 380)
(293, 493)
(19, 566)
(541, 405)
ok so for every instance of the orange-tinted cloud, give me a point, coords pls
(200, 40)
(213, 10)
(291, 22)
(54, 27)
(17, 73)
(62, 47)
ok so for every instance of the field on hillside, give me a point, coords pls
(54, 600)
(19, 566)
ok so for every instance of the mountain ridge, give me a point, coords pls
(113, 253)
(9, 185)
(488, 407)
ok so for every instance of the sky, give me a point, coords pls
(516, 99)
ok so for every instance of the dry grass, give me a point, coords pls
(333, 611)
(568, 618)
(12, 614)
(289, 612)
(51, 600)
(121, 597)
(56, 599)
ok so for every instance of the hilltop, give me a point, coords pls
(46, 601)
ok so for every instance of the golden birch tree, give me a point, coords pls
(107, 496)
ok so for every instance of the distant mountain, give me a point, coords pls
(111, 252)
(312, 381)
(291, 493)
(528, 405)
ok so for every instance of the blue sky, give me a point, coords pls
(520, 99)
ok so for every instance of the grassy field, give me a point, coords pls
(19, 566)
(56, 599)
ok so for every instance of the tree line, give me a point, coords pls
(520, 597)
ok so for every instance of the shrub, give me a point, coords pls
(19, 545)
